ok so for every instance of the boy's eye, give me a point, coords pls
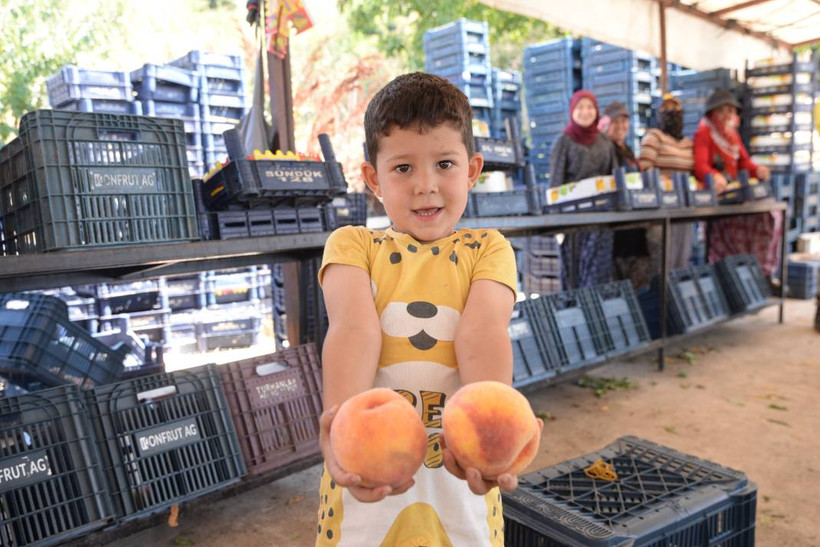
(445, 164)
(403, 168)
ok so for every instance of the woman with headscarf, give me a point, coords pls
(719, 152)
(666, 149)
(582, 152)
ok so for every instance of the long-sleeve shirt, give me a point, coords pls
(662, 151)
(708, 155)
(570, 161)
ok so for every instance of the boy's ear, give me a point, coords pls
(371, 178)
(475, 167)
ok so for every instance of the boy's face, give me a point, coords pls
(423, 179)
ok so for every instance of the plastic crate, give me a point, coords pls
(104, 106)
(533, 359)
(75, 180)
(661, 497)
(695, 196)
(151, 89)
(165, 439)
(350, 209)
(803, 277)
(500, 154)
(783, 186)
(221, 114)
(541, 265)
(271, 181)
(460, 32)
(72, 83)
(743, 282)
(496, 204)
(230, 288)
(706, 80)
(275, 402)
(53, 487)
(807, 184)
(40, 345)
(198, 57)
(620, 314)
(574, 327)
(266, 222)
(540, 284)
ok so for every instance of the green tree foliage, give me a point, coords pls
(40, 36)
(399, 27)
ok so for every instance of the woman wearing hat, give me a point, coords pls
(719, 151)
(615, 124)
(666, 149)
(582, 152)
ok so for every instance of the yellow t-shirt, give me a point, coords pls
(420, 290)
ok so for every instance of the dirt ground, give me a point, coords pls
(746, 398)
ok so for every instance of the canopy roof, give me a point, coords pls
(699, 34)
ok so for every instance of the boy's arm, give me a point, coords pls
(350, 353)
(482, 342)
(350, 356)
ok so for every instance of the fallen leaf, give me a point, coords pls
(778, 422)
(736, 402)
(685, 385)
(180, 541)
(653, 383)
(295, 499)
(766, 499)
(670, 429)
(777, 407)
(682, 374)
(173, 516)
(700, 386)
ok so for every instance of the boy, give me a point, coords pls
(420, 308)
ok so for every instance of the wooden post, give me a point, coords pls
(664, 73)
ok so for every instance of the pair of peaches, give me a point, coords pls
(379, 436)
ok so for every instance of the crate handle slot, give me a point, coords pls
(271, 368)
(113, 134)
(156, 394)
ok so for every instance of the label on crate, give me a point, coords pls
(23, 470)
(282, 388)
(496, 151)
(293, 174)
(122, 179)
(167, 436)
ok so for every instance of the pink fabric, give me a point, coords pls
(583, 135)
(757, 235)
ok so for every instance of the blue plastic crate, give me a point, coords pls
(153, 89)
(708, 80)
(456, 59)
(533, 357)
(743, 282)
(224, 100)
(619, 311)
(560, 52)
(198, 57)
(166, 74)
(212, 113)
(104, 106)
(162, 109)
(803, 278)
(660, 497)
(807, 184)
(72, 83)
(460, 32)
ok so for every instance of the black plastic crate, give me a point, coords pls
(40, 346)
(688, 307)
(165, 439)
(350, 209)
(573, 327)
(708, 283)
(803, 277)
(619, 313)
(660, 498)
(743, 282)
(671, 193)
(533, 359)
(127, 297)
(53, 487)
(73, 180)
(250, 182)
(541, 266)
(500, 154)
(231, 287)
(265, 222)
(696, 197)
(540, 284)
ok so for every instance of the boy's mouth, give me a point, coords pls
(427, 212)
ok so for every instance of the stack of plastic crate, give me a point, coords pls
(806, 214)
(460, 52)
(617, 74)
(694, 87)
(803, 274)
(552, 73)
(168, 91)
(83, 90)
(222, 97)
(780, 112)
(540, 265)
(506, 85)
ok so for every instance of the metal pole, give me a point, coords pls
(664, 74)
(784, 278)
(666, 238)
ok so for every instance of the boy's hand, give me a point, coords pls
(365, 493)
(478, 484)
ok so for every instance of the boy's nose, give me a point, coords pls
(425, 183)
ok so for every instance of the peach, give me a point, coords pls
(379, 436)
(490, 426)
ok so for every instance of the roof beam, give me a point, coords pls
(737, 7)
(730, 25)
(807, 42)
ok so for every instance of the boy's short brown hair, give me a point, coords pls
(421, 99)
